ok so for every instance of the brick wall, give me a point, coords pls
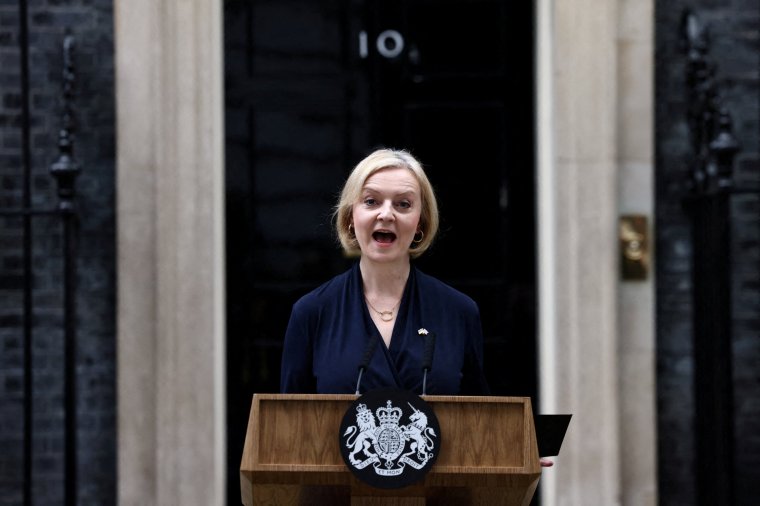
(90, 21)
(735, 48)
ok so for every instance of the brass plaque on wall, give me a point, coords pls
(633, 233)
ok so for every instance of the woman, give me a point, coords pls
(387, 215)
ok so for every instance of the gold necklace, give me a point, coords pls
(385, 316)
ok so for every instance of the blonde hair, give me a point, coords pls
(378, 160)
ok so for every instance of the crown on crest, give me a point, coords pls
(361, 408)
(389, 414)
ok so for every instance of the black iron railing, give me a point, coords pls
(64, 171)
(711, 188)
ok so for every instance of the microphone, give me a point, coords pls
(427, 358)
(368, 352)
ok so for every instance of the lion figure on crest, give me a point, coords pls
(362, 440)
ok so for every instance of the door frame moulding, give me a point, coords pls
(170, 208)
(577, 209)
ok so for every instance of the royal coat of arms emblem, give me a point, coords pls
(393, 444)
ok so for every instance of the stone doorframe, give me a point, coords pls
(595, 127)
(595, 121)
(170, 205)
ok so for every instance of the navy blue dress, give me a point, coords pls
(329, 328)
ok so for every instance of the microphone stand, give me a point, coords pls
(427, 358)
(368, 352)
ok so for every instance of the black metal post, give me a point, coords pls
(712, 349)
(65, 170)
(70, 336)
(714, 148)
(27, 251)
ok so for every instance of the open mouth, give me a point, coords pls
(384, 237)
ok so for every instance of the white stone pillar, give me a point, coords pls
(171, 393)
(577, 195)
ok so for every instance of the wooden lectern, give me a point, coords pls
(291, 455)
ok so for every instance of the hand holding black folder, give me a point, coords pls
(550, 431)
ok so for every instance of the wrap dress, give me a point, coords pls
(329, 329)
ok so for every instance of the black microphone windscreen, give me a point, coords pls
(427, 358)
(368, 352)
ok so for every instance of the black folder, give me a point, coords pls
(550, 431)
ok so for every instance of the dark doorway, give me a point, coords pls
(314, 86)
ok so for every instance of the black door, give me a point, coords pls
(459, 94)
(311, 88)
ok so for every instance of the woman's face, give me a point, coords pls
(387, 214)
